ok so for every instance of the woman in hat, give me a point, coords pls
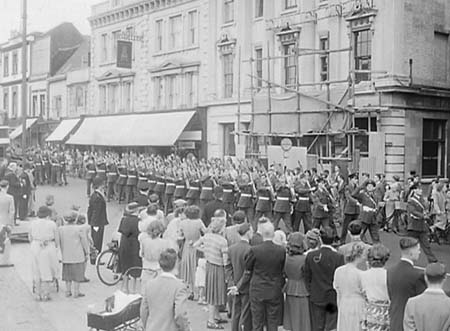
(44, 239)
(296, 308)
(215, 248)
(74, 252)
(129, 248)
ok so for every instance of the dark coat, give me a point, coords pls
(14, 183)
(320, 199)
(303, 192)
(265, 262)
(142, 200)
(210, 209)
(367, 200)
(237, 253)
(96, 212)
(320, 266)
(403, 282)
(416, 213)
(351, 204)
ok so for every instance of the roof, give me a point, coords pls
(79, 58)
(149, 129)
(63, 130)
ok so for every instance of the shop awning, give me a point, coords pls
(62, 130)
(18, 131)
(157, 129)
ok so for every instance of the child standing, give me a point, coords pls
(200, 278)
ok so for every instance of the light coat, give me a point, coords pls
(6, 208)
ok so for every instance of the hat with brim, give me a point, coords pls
(44, 212)
(179, 203)
(4, 183)
(132, 208)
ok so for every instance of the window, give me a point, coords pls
(189, 79)
(104, 47)
(112, 95)
(229, 147)
(290, 65)
(115, 37)
(441, 57)
(259, 8)
(362, 141)
(228, 75)
(259, 68)
(228, 11)
(324, 59)
(14, 63)
(35, 109)
(129, 31)
(6, 65)
(15, 102)
(363, 51)
(42, 105)
(126, 97)
(175, 32)
(192, 27)
(79, 95)
(290, 4)
(102, 99)
(57, 104)
(159, 35)
(170, 91)
(158, 92)
(433, 148)
(6, 100)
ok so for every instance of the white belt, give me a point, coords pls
(302, 198)
(207, 188)
(246, 195)
(111, 173)
(264, 198)
(91, 171)
(131, 176)
(179, 186)
(151, 181)
(99, 170)
(123, 176)
(194, 188)
(283, 198)
(170, 184)
(227, 191)
(142, 178)
(159, 183)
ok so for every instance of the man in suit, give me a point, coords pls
(351, 208)
(320, 266)
(164, 300)
(238, 283)
(14, 188)
(417, 210)
(403, 281)
(96, 213)
(429, 311)
(265, 263)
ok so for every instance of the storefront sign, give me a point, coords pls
(124, 54)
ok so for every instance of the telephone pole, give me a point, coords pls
(24, 77)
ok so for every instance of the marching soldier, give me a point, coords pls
(180, 188)
(206, 192)
(122, 180)
(151, 180)
(246, 195)
(323, 206)
(90, 174)
(229, 194)
(282, 207)
(38, 169)
(142, 177)
(302, 208)
(169, 194)
(264, 200)
(132, 180)
(111, 179)
(101, 169)
(63, 162)
(55, 170)
(160, 187)
(351, 208)
(193, 193)
(46, 168)
(366, 197)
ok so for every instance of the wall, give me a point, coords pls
(40, 57)
(57, 88)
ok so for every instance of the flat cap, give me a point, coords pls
(435, 270)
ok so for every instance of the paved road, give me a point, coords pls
(70, 314)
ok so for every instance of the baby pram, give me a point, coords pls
(123, 318)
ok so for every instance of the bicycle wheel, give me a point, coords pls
(106, 266)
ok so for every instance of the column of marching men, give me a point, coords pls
(276, 246)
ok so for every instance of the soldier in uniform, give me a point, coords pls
(90, 174)
(206, 192)
(122, 180)
(169, 193)
(142, 177)
(264, 199)
(132, 180)
(417, 214)
(180, 187)
(101, 169)
(323, 206)
(370, 207)
(193, 193)
(160, 187)
(282, 207)
(246, 195)
(229, 194)
(37, 160)
(151, 180)
(63, 162)
(46, 176)
(111, 179)
(55, 171)
(351, 208)
(302, 208)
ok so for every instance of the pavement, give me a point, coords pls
(68, 314)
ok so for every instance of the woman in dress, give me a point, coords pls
(44, 240)
(347, 283)
(374, 286)
(215, 248)
(74, 252)
(191, 229)
(151, 246)
(296, 307)
(129, 248)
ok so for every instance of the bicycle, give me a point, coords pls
(107, 266)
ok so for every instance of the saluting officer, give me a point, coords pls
(122, 180)
(282, 207)
(302, 208)
(90, 174)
